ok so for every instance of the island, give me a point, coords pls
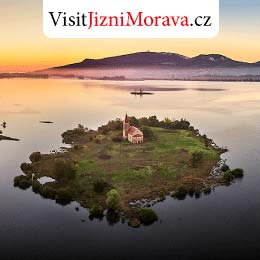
(141, 93)
(7, 138)
(126, 166)
(46, 122)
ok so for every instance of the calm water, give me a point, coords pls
(223, 225)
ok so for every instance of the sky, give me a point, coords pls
(24, 47)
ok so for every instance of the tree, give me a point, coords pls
(182, 124)
(23, 182)
(96, 211)
(134, 121)
(237, 173)
(147, 216)
(143, 121)
(65, 196)
(113, 199)
(166, 123)
(70, 136)
(48, 191)
(35, 157)
(36, 186)
(112, 125)
(227, 177)
(26, 168)
(153, 121)
(148, 133)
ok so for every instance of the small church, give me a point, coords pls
(132, 133)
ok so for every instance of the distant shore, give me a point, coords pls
(247, 78)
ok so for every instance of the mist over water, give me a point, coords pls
(159, 73)
(222, 225)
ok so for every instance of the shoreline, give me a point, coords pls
(250, 78)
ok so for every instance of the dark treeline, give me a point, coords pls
(23, 75)
(151, 121)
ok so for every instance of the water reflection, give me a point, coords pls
(224, 223)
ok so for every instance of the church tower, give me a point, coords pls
(126, 126)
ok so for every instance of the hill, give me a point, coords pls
(160, 59)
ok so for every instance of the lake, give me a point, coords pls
(222, 225)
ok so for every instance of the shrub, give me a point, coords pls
(48, 191)
(35, 157)
(227, 177)
(117, 139)
(148, 133)
(77, 147)
(237, 173)
(26, 168)
(207, 190)
(99, 185)
(134, 222)
(17, 180)
(197, 194)
(113, 199)
(191, 191)
(64, 196)
(225, 168)
(112, 216)
(23, 182)
(147, 216)
(64, 171)
(181, 193)
(96, 211)
(196, 158)
(36, 186)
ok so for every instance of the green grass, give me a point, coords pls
(165, 170)
(89, 166)
(87, 171)
(126, 175)
(168, 142)
(139, 163)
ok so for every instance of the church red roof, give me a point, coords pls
(132, 130)
(137, 135)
